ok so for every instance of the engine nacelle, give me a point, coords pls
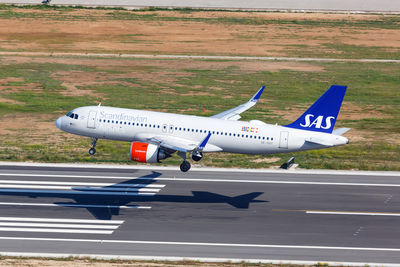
(144, 152)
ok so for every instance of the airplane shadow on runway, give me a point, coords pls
(110, 203)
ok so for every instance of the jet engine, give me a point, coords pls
(144, 152)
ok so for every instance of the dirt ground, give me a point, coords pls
(195, 36)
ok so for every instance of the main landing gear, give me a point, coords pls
(185, 165)
(92, 150)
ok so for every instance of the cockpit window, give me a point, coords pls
(72, 115)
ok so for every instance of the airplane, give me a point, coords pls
(155, 136)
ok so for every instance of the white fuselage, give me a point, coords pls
(253, 137)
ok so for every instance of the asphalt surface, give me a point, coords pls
(313, 5)
(200, 214)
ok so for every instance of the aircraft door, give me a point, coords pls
(283, 141)
(92, 119)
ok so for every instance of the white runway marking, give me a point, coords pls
(79, 188)
(59, 220)
(10, 190)
(52, 230)
(74, 205)
(115, 189)
(203, 180)
(80, 183)
(58, 225)
(353, 213)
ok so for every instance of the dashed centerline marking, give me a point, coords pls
(323, 212)
(353, 213)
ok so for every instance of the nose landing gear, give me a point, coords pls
(92, 150)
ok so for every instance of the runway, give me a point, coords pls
(255, 216)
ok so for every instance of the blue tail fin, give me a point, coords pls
(321, 116)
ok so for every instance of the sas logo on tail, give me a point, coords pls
(317, 122)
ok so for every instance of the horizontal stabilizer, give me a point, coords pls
(318, 141)
(340, 131)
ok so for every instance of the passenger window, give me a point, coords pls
(120, 122)
(264, 138)
(230, 134)
(158, 126)
(272, 139)
(129, 123)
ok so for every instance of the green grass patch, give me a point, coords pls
(371, 87)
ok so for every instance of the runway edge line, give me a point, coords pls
(199, 169)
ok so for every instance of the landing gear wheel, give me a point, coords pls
(185, 166)
(92, 151)
(197, 158)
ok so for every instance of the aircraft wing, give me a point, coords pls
(233, 113)
(179, 144)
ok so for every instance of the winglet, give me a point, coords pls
(257, 95)
(203, 143)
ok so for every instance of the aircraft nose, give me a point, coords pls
(59, 122)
